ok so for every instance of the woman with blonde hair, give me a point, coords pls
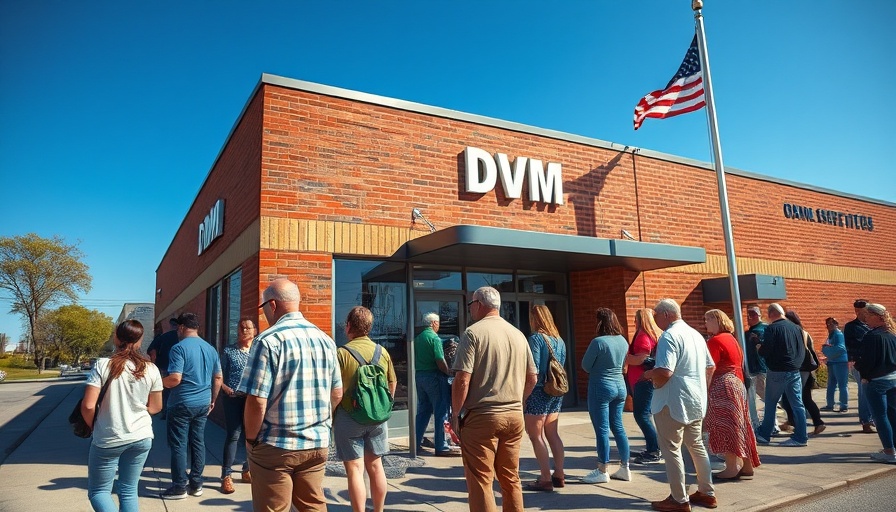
(122, 428)
(543, 410)
(727, 416)
(877, 366)
(640, 359)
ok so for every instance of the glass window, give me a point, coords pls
(500, 282)
(234, 304)
(542, 283)
(213, 318)
(429, 278)
(380, 287)
(223, 306)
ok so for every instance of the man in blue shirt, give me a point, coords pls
(158, 352)
(195, 378)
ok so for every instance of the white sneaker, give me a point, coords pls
(623, 473)
(883, 456)
(596, 477)
(717, 465)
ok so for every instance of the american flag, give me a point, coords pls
(683, 94)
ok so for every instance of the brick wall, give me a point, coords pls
(302, 155)
(234, 177)
(350, 161)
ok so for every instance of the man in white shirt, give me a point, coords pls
(683, 368)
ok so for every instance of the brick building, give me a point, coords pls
(320, 184)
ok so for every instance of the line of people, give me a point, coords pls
(288, 383)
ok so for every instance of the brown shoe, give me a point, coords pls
(867, 428)
(670, 505)
(247, 477)
(818, 429)
(558, 481)
(704, 500)
(227, 485)
(537, 485)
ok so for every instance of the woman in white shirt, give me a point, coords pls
(122, 428)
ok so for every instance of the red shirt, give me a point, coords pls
(726, 353)
(641, 344)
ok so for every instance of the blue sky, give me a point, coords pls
(111, 113)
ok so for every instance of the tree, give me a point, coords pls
(72, 332)
(39, 272)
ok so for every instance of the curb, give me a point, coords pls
(830, 488)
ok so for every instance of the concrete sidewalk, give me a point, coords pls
(47, 469)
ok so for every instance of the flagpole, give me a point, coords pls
(697, 6)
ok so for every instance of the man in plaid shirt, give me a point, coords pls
(292, 382)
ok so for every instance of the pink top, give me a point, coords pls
(641, 344)
(726, 353)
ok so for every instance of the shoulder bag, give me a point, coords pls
(79, 426)
(810, 353)
(555, 380)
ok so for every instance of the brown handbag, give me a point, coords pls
(555, 380)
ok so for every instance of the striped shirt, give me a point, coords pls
(293, 365)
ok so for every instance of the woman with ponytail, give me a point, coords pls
(122, 426)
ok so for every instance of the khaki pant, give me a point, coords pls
(671, 435)
(490, 446)
(281, 478)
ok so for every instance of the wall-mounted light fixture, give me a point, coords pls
(416, 214)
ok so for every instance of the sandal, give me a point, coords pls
(558, 481)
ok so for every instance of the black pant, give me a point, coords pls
(808, 403)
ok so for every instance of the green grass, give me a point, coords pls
(18, 368)
(28, 373)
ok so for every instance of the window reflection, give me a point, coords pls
(428, 278)
(542, 283)
(500, 282)
(380, 287)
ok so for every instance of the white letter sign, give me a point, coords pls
(212, 226)
(483, 171)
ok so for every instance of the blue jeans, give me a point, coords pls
(864, 410)
(881, 395)
(433, 397)
(642, 394)
(186, 428)
(233, 421)
(778, 384)
(606, 399)
(128, 459)
(838, 378)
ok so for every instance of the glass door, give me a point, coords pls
(452, 315)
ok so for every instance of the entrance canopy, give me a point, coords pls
(489, 247)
